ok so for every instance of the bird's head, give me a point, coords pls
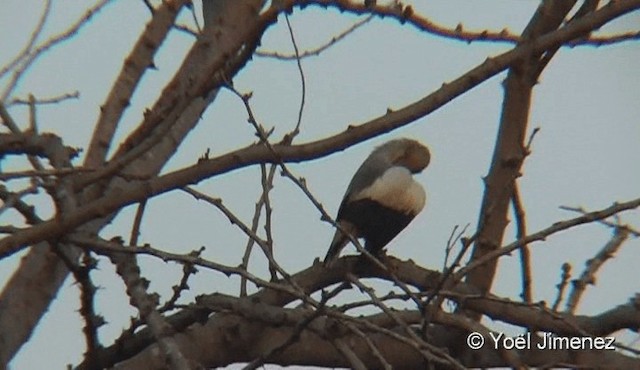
(408, 153)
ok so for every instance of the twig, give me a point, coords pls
(4, 176)
(106, 248)
(264, 138)
(263, 244)
(268, 211)
(608, 39)
(531, 137)
(613, 225)
(303, 93)
(27, 211)
(27, 59)
(139, 60)
(44, 101)
(137, 222)
(447, 276)
(293, 338)
(187, 29)
(432, 354)
(318, 50)
(390, 296)
(256, 154)
(13, 127)
(555, 228)
(346, 352)
(10, 199)
(449, 247)
(92, 321)
(195, 17)
(127, 268)
(525, 256)
(28, 47)
(149, 6)
(406, 15)
(588, 6)
(374, 349)
(217, 202)
(188, 269)
(562, 285)
(445, 358)
(588, 276)
(33, 123)
(264, 356)
(254, 228)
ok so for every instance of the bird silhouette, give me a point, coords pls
(382, 198)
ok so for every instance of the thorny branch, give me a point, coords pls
(405, 14)
(92, 321)
(431, 354)
(588, 276)
(613, 225)
(267, 183)
(258, 154)
(525, 256)
(124, 257)
(555, 228)
(128, 270)
(317, 50)
(562, 285)
(301, 183)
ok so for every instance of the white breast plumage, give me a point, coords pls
(397, 190)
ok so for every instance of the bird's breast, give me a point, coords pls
(397, 190)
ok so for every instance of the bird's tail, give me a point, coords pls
(339, 241)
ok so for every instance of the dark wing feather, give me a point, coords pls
(376, 223)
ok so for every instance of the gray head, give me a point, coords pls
(399, 152)
(404, 152)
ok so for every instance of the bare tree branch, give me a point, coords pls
(403, 316)
(296, 153)
(588, 276)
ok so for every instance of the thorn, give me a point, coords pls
(407, 12)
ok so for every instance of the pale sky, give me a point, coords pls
(586, 153)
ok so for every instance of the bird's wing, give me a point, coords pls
(369, 171)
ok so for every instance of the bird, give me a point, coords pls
(382, 197)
